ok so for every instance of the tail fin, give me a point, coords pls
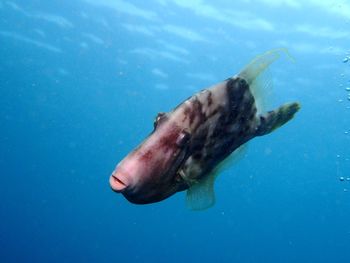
(276, 118)
(259, 83)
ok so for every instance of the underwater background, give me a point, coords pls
(80, 84)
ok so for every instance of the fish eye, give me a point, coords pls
(161, 116)
(242, 82)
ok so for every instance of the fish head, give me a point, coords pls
(150, 173)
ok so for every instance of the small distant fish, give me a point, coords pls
(187, 144)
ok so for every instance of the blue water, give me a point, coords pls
(80, 85)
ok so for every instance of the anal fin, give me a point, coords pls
(200, 195)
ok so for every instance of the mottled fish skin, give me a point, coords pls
(189, 142)
(220, 119)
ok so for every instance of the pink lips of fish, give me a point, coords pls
(127, 173)
(118, 180)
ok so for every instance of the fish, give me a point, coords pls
(188, 145)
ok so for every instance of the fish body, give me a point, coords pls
(188, 143)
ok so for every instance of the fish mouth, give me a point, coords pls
(117, 184)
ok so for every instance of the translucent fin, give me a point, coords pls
(262, 90)
(261, 84)
(201, 195)
(261, 63)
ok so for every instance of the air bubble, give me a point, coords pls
(341, 179)
(347, 88)
(346, 59)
